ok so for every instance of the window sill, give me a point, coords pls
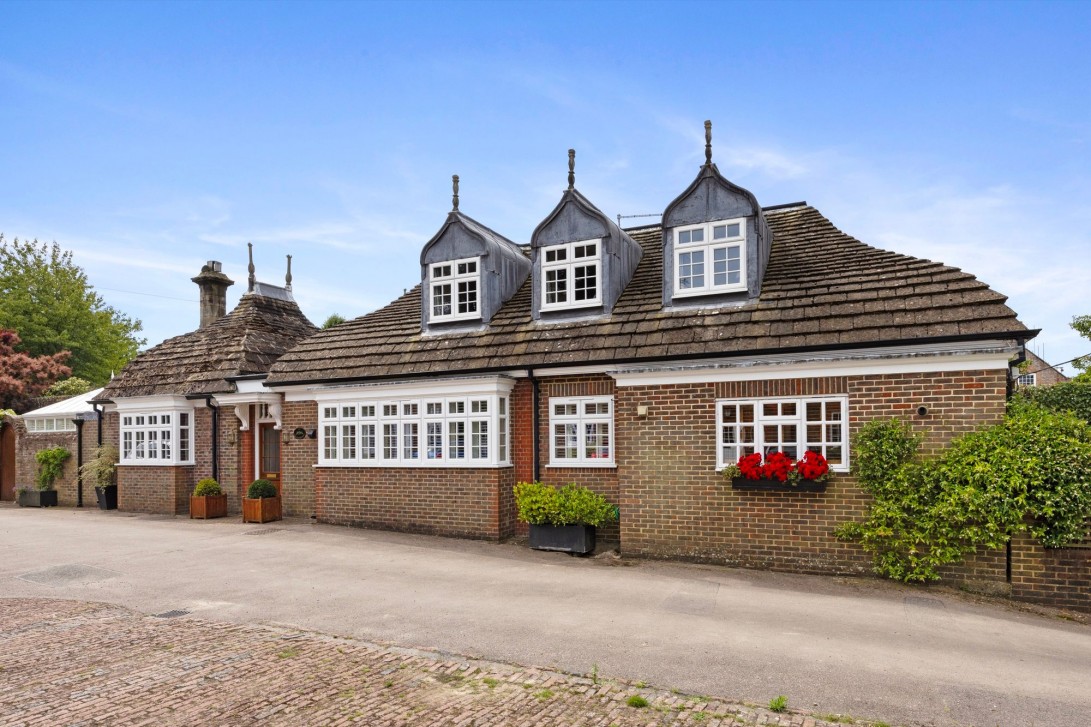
(709, 291)
(151, 463)
(431, 465)
(581, 465)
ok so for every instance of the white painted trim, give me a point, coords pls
(453, 280)
(707, 247)
(378, 391)
(248, 386)
(149, 403)
(380, 464)
(569, 265)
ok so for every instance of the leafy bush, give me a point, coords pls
(541, 504)
(1031, 472)
(50, 466)
(1073, 397)
(72, 386)
(260, 489)
(209, 486)
(101, 467)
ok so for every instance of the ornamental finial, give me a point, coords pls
(708, 142)
(454, 194)
(250, 268)
(288, 276)
(571, 168)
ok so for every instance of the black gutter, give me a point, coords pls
(1021, 337)
(534, 418)
(215, 437)
(98, 415)
(79, 461)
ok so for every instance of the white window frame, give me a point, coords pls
(799, 419)
(1027, 379)
(708, 247)
(569, 265)
(467, 430)
(136, 431)
(49, 425)
(581, 419)
(438, 277)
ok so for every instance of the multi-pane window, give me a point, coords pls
(51, 424)
(1027, 380)
(453, 288)
(710, 257)
(581, 431)
(150, 437)
(570, 275)
(432, 432)
(792, 426)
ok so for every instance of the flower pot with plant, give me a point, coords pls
(562, 519)
(50, 467)
(208, 500)
(99, 470)
(262, 502)
(778, 473)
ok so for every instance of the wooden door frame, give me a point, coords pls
(264, 429)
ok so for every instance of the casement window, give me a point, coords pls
(1027, 380)
(157, 437)
(710, 258)
(466, 431)
(50, 424)
(789, 425)
(571, 275)
(453, 288)
(581, 431)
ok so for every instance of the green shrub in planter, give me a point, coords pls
(50, 466)
(540, 504)
(207, 486)
(261, 489)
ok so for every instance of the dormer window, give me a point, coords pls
(454, 287)
(571, 275)
(710, 257)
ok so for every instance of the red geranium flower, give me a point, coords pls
(750, 466)
(777, 466)
(812, 466)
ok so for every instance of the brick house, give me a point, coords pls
(1038, 372)
(193, 406)
(638, 362)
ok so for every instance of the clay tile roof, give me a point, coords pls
(248, 340)
(822, 288)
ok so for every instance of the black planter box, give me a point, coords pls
(564, 538)
(107, 497)
(38, 498)
(743, 483)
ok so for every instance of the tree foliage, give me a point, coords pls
(72, 386)
(23, 376)
(1082, 325)
(1031, 472)
(335, 319)
(46, 297)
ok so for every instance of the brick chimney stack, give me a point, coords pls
(213, 284)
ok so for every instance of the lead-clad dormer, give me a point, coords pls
(467, 272)
(582, 260)
(715, 241)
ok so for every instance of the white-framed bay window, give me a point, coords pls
(581, 431)
(710, 257)
(453, 289)
(156, 433)
(440, 425)
(571, 275)
(791, 425)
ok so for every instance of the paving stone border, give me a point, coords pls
(89, 664)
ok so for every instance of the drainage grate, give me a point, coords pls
(171, 614)
(262, 531)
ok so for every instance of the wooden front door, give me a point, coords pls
(7, 462)
(269, 455)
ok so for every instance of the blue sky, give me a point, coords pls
(150, 137)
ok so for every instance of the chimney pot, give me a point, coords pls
(213, 284)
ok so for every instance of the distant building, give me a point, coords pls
(1039, 373)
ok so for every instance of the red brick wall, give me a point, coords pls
(297, 459)
(462, 502)
(28, 444)
(158, 490)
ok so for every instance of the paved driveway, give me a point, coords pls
(859, 647)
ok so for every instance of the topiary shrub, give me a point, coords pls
(540, 504)
(261, 489)
(50, 466)
(208, 486)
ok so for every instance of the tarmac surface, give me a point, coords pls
(860, 647)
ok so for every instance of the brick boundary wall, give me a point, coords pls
(28, 444)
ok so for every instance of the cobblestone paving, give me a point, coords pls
(77, 663)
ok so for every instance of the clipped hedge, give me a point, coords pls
(261, 489)
(208, 486)
(1070, 396)
(1031, 472)
(540, 504)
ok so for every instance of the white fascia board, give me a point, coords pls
(249, 386)
(469, 386)
(849, 363)
(151, 403)
(256, 397)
